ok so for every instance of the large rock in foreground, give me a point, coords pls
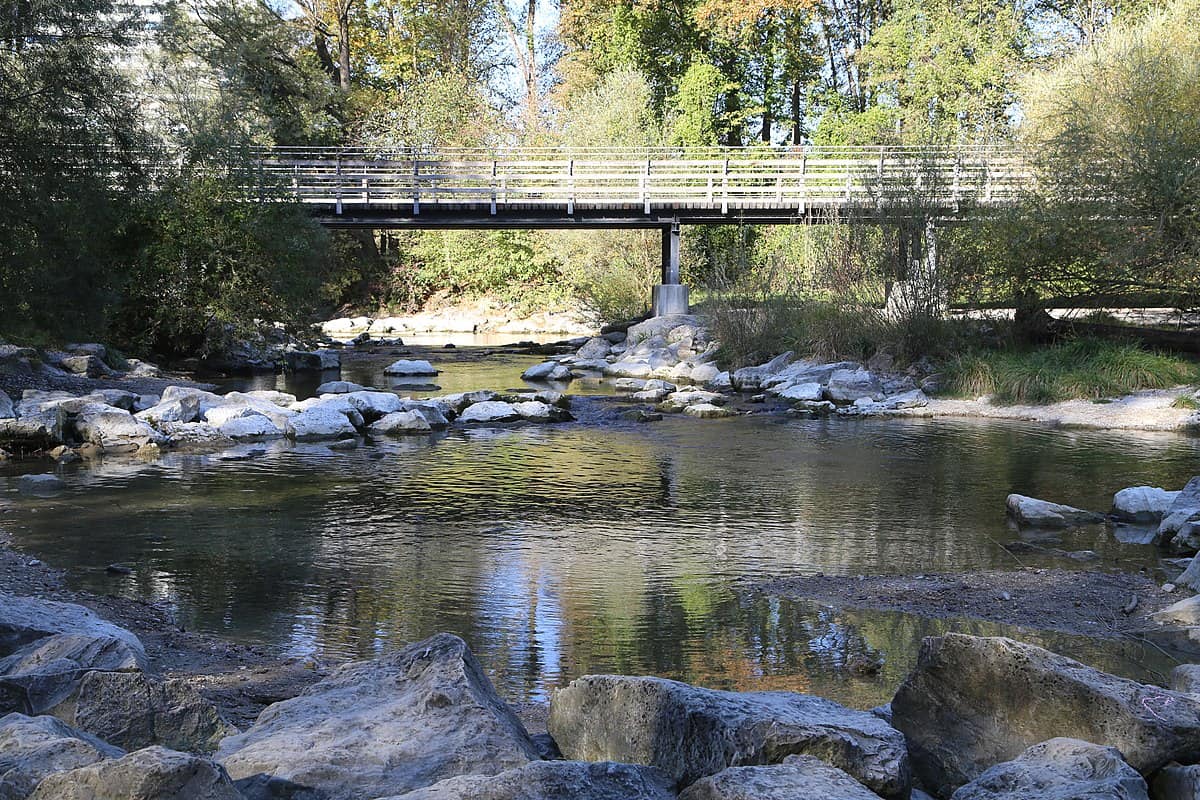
(1059, 768)
(33, 747)
(47, 647)
(690, 733)
(555, 780)
(797, 778)
(155, 773)
(134, 710)
(973, 702)
(385, 727)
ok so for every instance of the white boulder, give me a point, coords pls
(490, 411)
(321, 422)
(402, 422)
(1036, 513)
(547, 371)
(410, 367)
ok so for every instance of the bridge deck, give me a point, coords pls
(639, 188)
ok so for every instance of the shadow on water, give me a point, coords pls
(558, 551)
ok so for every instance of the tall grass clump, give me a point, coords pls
(1076, 369)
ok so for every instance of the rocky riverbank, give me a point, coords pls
(96, 710)
(69, 426)
(671, 363)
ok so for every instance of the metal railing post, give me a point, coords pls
(416, 203)
(571, 188)
(803, 183)
(646, 188)
(725, 189)
(493, 187)
(338, 186)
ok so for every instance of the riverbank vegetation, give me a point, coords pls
(1079, 368)
(129, 140)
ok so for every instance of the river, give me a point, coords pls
(596, 546)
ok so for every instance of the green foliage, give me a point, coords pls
(438, 111)
(695, 120)
(1076, 369)
(945, 71)
(230, 73)
(614, 113)
(1116, 133)
(213, 264)
(69, 147)
(611, 272)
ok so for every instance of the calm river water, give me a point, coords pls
(595, 546)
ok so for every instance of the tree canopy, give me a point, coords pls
(121, 126)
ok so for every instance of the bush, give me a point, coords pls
(611, 273)
(212, 263)
(1076, 369)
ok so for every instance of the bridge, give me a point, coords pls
(658, 188)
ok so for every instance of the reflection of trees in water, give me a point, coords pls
(571, 550)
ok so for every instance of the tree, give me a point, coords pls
(71, 157)
(1115, 131)
(232, 73)
(937, 71)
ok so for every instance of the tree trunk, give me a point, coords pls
(344, 47)
(797, 131)
(531, 82)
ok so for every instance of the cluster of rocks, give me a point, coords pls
(671, 362)
(114, 420)
(79, 709)
(1147, 515)
(89, 360)
(977, 719)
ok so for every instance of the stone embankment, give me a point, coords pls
(671, 364)
(82, 715)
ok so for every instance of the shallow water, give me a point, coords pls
(599, 546)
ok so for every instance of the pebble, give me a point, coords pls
(1005, 596)
(34, 563)
(1168, 587)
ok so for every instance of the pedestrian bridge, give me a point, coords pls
(648, 188)
(645, 188)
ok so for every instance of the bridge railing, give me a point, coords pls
(652, 180)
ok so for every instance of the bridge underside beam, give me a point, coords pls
(434, 219)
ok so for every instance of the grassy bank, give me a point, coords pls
(975, 358)
(1078, 369)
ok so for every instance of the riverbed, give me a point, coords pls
(602, 545)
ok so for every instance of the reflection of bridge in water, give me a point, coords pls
(647, 189)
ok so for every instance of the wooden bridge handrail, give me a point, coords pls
(658, 180)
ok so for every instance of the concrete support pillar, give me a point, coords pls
(671, 296)
(670, 254)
